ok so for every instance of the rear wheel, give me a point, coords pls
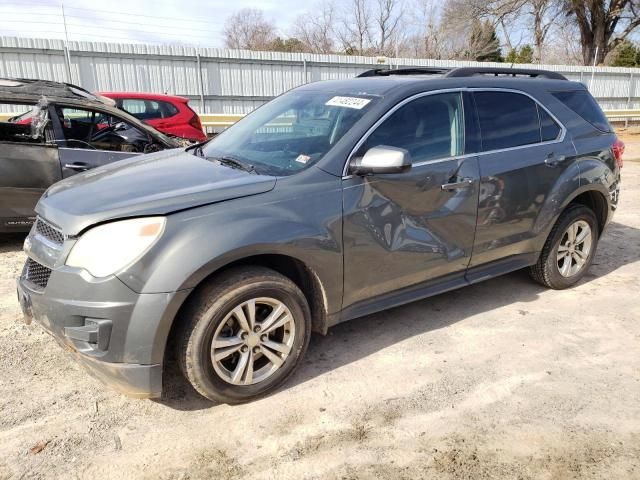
(243, 334)
(569, 249)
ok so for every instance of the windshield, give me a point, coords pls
(290, 133)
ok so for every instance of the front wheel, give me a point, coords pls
(243, 334)
(569, 249)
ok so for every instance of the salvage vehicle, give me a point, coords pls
(333, 201)
(169, 114)
(64, 130)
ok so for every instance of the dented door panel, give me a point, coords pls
(405, 229)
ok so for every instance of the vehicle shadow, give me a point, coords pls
(11, 242)
(354, 340)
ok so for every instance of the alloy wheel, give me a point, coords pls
(574, 248)
(253, 341)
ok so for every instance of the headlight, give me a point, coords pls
(107, 249)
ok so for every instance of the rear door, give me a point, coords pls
(28, 165)
(402, 230)
(90, 138)
(523, 157)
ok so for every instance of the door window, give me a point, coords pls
(507, 120)
(100, 131)
(430, 128)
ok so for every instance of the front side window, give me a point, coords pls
(99, 131)
(290, 133)
(507, 120)
(430, 128)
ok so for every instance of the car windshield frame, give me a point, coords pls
(290, 133)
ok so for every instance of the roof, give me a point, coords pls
(145, 96)
(382, 85)
(33, 89)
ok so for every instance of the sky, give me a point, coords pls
(193, 22)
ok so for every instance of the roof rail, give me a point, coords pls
(496, 71)
(384, 72)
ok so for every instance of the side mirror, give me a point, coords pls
(381, 159)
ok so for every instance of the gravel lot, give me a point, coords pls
(500, 380)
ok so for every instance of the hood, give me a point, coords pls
(154, 184)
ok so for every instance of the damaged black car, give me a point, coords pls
(50, 131)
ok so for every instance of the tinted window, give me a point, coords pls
(581, 102)
(548, 126)
(430, 127)
(507, 120)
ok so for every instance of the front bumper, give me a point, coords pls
(118, 335)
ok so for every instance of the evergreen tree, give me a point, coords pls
(484, 45)
(627, 55)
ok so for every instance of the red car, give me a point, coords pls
(168, 113)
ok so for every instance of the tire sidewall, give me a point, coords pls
(552, 264)
(201, 339)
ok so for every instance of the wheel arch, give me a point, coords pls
(289, 266)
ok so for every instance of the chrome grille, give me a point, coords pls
(36, 273)
(49, 232)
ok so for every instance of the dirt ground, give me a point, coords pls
(500, 380)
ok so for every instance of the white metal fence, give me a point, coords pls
(237, 81)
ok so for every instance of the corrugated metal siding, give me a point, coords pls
(238, 81)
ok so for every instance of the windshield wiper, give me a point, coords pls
(233, 162)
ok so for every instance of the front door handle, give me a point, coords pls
(78, 167)
(464, 183)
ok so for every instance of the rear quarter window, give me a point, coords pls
(582, 103)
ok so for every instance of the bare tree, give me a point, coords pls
(248, 29)
(388, 21)
(354, 32)
(315, 30)
(603, 25)
(427, 35)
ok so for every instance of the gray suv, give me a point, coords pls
(335, 200)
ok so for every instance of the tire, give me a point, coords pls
(220, 311)
(556, 273)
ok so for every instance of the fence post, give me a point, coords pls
(626, 121)
(304, 70)
(67, 62)
(200, 80)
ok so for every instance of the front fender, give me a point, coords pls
(200, 241)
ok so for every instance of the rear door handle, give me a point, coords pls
(553, 161)
(79, 167)
(464, 183)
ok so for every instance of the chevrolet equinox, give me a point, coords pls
(335, 200)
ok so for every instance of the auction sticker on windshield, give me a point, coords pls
(348, 102)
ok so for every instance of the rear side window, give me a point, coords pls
(581, 102)
(148, 109)
(549, 129)
(507, 120)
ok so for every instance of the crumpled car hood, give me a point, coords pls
(154, 184)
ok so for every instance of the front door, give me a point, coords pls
(90, 139)
(408, 229)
